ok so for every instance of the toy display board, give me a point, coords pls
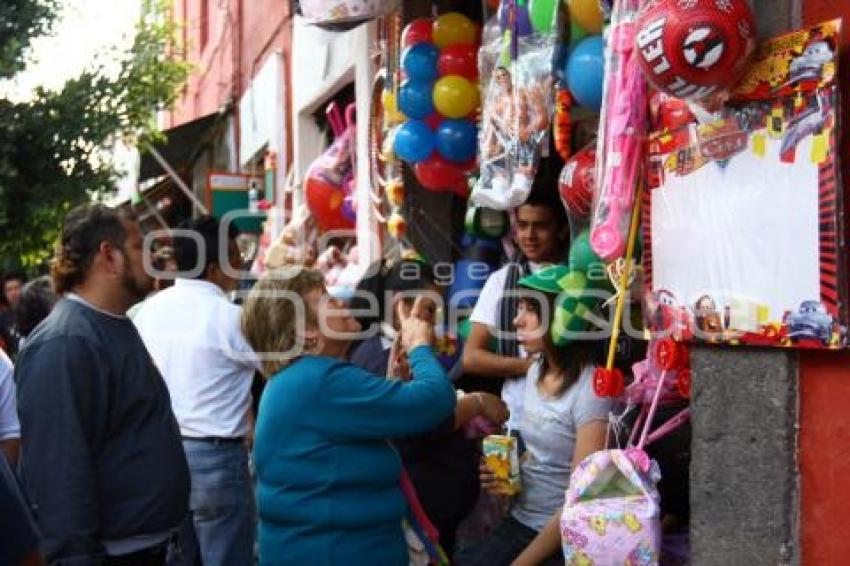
(742, 220)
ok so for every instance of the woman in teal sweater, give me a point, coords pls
(328, 480)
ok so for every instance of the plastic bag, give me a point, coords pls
(329, 183)
(516, 115)
(622, 135)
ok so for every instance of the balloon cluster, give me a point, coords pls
(439, 97)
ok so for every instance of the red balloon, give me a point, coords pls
(438, 174)
(434, 120)
(459, 60)
(417, 31)
(577, 181)
(324, 201)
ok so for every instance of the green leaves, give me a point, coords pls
(55, 150)
(20, 22)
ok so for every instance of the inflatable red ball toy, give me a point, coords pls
(694, 48)
(577, 181)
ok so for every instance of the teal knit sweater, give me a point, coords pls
(328, 478)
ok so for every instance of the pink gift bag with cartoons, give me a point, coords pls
(611, 512)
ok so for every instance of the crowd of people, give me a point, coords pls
(131, 433)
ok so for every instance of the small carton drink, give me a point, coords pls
(500, 454)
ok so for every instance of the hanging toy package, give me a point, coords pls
(330, 12)
(516, 116)
(621, 139)
(329, 183)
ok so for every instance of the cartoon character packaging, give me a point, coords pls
(742, 220)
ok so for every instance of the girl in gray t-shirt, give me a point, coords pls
(549, 428)
(563, 422)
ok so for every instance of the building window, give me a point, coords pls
(205, 23)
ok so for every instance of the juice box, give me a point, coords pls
(500, 455)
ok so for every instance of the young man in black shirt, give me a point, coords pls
(102, 461)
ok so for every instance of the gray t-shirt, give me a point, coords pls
(549, 429)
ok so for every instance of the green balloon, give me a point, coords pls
(543, 15)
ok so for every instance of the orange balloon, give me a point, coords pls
(453, 28)
(587, 14)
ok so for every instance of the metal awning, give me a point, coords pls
(179, 147)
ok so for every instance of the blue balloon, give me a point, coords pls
(419, 61)
(586, 71)
(457, 140)
(414, 99)
(414, 141)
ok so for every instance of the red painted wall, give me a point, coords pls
(267, 29)
(210, 83)
(825, 386)
(241, 34)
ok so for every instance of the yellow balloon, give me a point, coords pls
(453, 28)
(392, 115)
(455, 96)
(587, 14)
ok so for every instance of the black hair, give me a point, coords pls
(14, 274)
(37, 300)
(402, 276)
(85, 228)
(208, 230)
(570, 358)
(544, 189)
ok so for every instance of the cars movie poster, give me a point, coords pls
(741, 223)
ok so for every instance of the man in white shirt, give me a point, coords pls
(192, 332)
(542, 235)
(10, 428)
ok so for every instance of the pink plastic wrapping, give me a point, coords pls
(622, 134)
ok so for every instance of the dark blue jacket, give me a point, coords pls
(101, 457)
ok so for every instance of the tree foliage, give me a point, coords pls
(55, 149)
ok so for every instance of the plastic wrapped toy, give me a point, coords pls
(621, 141)
(329, 181)
(516, 116)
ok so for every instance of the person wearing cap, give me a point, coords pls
(563, 422)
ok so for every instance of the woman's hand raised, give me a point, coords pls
(415, 330)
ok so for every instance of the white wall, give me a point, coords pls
(323, 62)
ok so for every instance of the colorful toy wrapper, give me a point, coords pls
(501, 457)
(516, 115)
